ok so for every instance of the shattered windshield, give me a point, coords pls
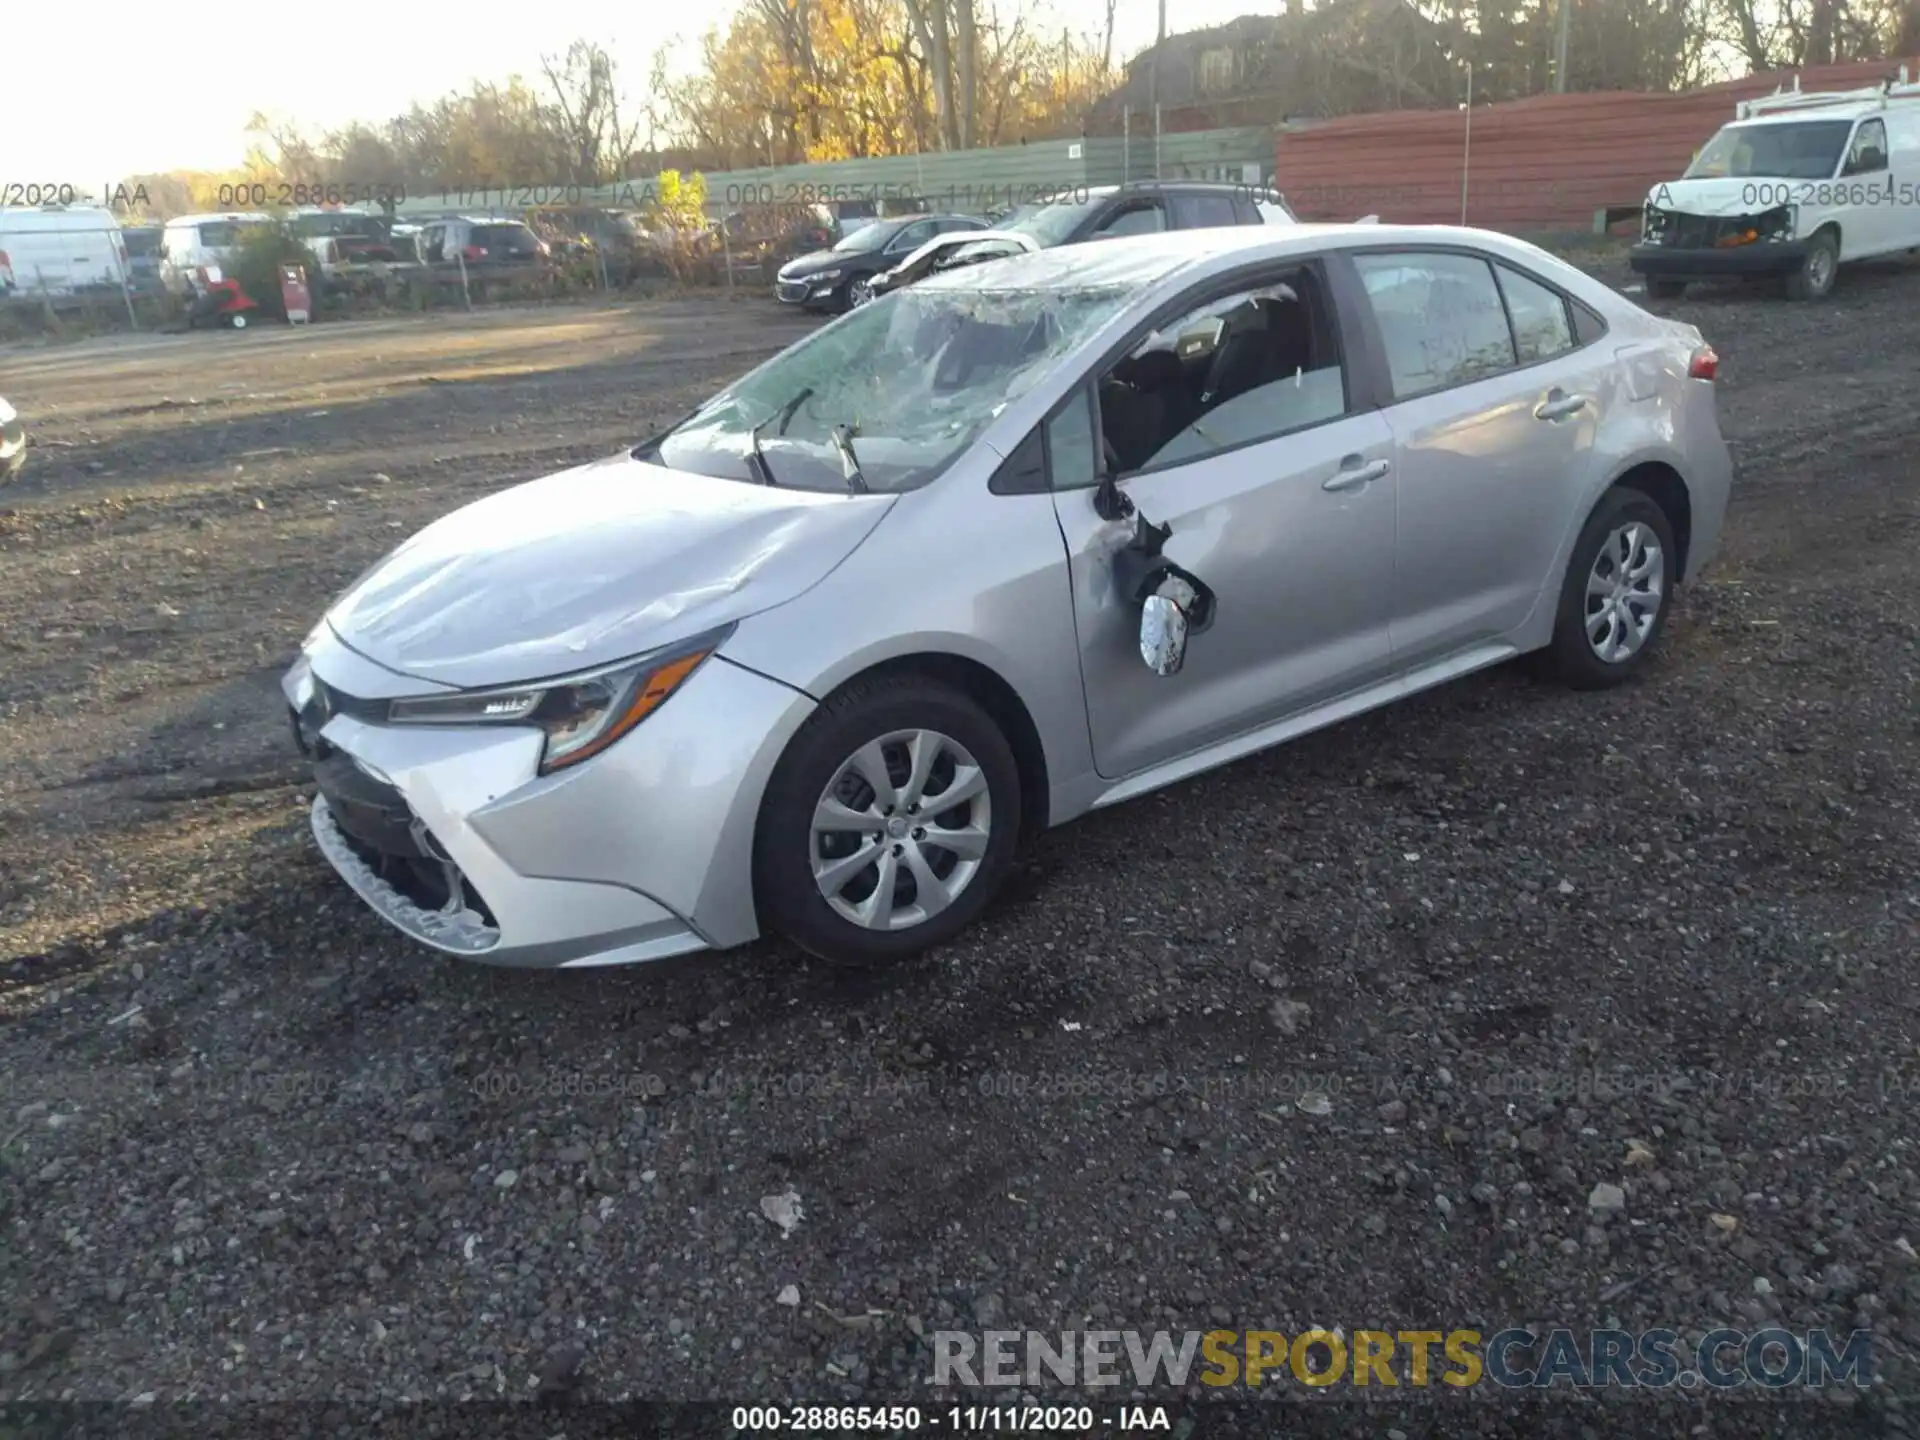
(916, 376)
(1797, 150)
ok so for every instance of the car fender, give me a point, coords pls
(1015, 620)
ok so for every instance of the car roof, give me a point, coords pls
(1226, 187)
(1842, 110)
(1137, 261)
(216, 217)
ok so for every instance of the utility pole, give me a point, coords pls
(1560, 49)
(1153, 86)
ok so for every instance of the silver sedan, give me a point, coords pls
(1023, 540)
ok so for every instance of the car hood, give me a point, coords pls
(590, 566)
(1723, 195)
(814, 261)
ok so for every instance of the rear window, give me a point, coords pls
(141, 242)
(218, 233)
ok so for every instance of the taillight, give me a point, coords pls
(1705, 365)
(475, 252)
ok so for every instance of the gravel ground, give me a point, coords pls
(1413, 987)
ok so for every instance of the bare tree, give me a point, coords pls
(586, 95)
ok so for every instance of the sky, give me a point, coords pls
(163, 95)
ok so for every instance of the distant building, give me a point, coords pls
(1277, 69)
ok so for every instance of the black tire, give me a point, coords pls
(1666, 289)
(1819, 268)
(789, 900)
(1570, 657)
(846, 301)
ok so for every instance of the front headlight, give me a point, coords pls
(580, 715)
(1781, 223)
(824, 276)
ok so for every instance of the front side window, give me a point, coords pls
(1144, 218)
(1440, 316)
(1868, 152)
(916, 377)
(912, 237)
(1243, 367)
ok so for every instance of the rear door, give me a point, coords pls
(1497, 393)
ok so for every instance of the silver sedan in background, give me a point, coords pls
(1020, 541)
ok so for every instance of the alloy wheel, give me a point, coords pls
(900, 830)
(860, 291)
(1625, 589)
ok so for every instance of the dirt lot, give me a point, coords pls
(1523, 942)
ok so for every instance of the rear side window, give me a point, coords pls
(1200, 210)
(1441, 318)
(1541, 326)
(219, 233)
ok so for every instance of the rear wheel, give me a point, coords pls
(1613, 603)
(237, 321)
(1666, 289)
(889, 823)
(1819, 268)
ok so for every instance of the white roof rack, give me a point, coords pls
(1894, 89)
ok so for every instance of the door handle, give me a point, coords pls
(1355, 472)
(1558, 405)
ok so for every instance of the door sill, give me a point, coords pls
(1265, 737)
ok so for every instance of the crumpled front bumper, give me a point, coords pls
(1708, 262)
(641, 853)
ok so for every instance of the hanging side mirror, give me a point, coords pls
(1163, 630)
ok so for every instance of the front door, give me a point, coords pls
(1494, 411)
(1233, 426)
(1872, 219)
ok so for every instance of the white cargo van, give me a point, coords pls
(60, 250)
(190, 242)
(1796, 185)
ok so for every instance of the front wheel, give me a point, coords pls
(859, 291)
(1613, 604)
(1666, 289)
(889, 823)
(237, 321)
(1819, 267)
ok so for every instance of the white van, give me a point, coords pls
(60, 250)
(192, 241)
(1796, 185)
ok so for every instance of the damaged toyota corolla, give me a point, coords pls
(1026, 539)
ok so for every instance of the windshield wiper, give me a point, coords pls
(849, 462)
(762, 470)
